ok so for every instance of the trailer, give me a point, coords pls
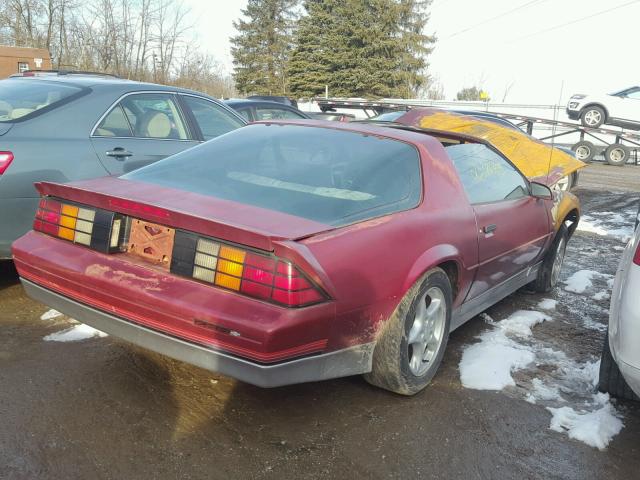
(624, 148)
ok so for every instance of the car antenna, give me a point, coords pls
(553, 129)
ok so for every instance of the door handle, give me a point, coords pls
(490, 228)
(119, 153)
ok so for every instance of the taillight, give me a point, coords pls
(233, 268)
(99, 229)
(5, 160)
(636, 257)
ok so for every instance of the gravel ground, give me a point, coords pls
(99, 408)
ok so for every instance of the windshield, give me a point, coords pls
(321, 174)
(19, 97)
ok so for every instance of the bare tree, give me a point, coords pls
(137, 39)
(507, 89)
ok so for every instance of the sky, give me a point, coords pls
(534, 51)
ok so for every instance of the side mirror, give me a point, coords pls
(540, 190)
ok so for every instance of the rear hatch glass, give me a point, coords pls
(21, 99)
(321, 174)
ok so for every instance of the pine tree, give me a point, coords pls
(262, 47)
(415, 46)
(309, 66)
(365, 48)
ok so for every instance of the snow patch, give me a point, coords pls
(50, 314)
(601, 295)
(591, 324)
(74, 334)
(598, 223)
(548, 304)
(488, 365)
(596, 428)
(580, 281)
(586, 226)
(565, 387)
(543, 392)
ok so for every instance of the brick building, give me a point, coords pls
(18, 59)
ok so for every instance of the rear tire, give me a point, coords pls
(593, 116)
(411, 344)
(616, 154)
(549, 272)
(585, 151)
(611, 379)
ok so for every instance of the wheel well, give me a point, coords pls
(450, 267)
(573, 217)
(606, 112)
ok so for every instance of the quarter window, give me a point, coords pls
(115, 124)
(485, 175)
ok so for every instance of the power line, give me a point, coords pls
(491, 19)
(562, 25)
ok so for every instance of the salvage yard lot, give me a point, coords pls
(98, 408)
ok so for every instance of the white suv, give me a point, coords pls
(621, 109)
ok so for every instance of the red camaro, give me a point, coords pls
(289, 252)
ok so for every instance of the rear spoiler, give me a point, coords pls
(187, 211)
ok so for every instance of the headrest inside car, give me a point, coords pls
(158, 125)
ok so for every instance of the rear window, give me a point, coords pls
(330, 176)
(20, 98)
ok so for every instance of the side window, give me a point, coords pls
(145, 115)
(115, 124)
(275, 114)
(485, 175)
(212, 119)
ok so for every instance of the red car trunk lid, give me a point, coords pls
(232, 221)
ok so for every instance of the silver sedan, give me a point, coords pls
(620, 366)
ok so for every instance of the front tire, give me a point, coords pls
(411, 344)
(592, 116)
(549, 273)
(611, 379)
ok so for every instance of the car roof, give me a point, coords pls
(84, 80)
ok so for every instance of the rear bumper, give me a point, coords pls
(341, 363)
(179, 307)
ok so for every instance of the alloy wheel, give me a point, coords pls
(427, 330)
(558, 261)
(592, 117)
